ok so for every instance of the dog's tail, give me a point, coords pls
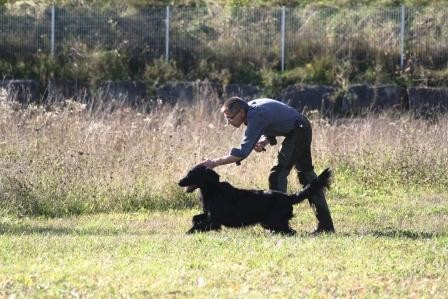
(317, 185)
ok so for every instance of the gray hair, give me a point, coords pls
(234, 104)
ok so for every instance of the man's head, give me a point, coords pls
(235, 111)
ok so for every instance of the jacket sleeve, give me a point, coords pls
(255, 128)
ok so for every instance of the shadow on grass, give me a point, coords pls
(399, 234)
(30, 229)
(26, 229)
(408, 234)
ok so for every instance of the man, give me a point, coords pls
(265, 119)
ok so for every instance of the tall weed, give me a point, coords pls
(68, 159)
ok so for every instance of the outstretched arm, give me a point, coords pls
(220, 161)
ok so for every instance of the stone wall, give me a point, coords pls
(355, 100)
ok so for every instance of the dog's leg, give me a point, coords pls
(278, 220)
(202, 223)
(284, 230)
(203, 227)
(199, 218)
(198, 223)
(214, 226)
(288, 231)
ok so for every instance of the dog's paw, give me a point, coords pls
(291, 232)
(285, 232)
(191, 231)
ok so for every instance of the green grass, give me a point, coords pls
(381, 249)
(89, 207)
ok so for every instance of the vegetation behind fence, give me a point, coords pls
(315, 44)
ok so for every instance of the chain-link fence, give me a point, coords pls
(360, 34)
(264, 37)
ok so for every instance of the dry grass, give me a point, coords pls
(70, 159)
(388, 202)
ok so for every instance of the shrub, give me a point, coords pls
(319, 71)
(6, 69)
(159, 72)
(108, 65)
(245, 73)
(206, 70)
(44, 67)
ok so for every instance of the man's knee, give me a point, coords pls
(273, 178)
(278, 178)
(306, 177)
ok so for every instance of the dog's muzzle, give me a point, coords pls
(189, 188)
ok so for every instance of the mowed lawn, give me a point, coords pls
(393, 247)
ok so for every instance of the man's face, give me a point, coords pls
(235, 119)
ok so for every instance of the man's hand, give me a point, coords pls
(220, 161)
(260, 146)
(208, 163)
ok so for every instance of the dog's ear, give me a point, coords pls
(212, 176)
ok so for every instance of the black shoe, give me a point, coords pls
(323, 230)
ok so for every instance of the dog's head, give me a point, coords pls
(198, 177)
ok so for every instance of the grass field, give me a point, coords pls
(148, 255)
(89, 208)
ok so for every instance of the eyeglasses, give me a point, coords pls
(229, 119)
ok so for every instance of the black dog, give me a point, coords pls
(226, 205)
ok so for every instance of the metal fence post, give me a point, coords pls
(402, 37)
(283, 38)
(167, 34)
(52, 29)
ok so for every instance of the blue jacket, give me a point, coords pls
(268, 118)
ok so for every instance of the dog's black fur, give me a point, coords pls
(226, 205)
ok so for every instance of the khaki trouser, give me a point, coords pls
(296, 151)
